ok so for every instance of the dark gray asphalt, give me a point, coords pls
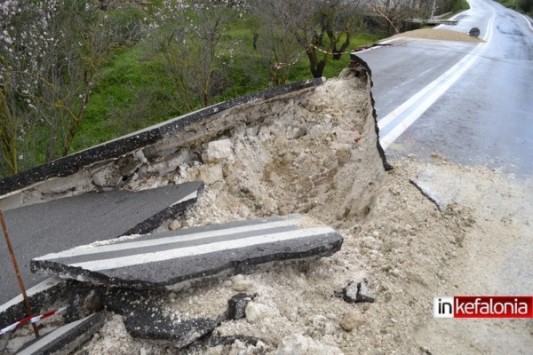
(486, 117)
(64, 339)
(193, 253)
(66, 223)
(482, 117)
(400, 71)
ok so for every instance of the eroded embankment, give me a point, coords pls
(314, 151)
(295, 152)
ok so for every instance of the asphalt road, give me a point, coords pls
(80, 220)
(471, 103)
(486, 116)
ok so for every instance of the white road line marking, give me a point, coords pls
(415, 106)
(90, 249)
(190, 196)
(528, 22)
(48, 338)
(146, 258)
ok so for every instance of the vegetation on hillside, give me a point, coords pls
(525, 6)
(74, 73)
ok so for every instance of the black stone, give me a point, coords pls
(357, 291)
(474, 32)
(237, 306)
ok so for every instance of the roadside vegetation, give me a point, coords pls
(75, 73)
(525, 6)
(459, 5)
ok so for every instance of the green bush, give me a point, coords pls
(459, 5)
(133, 91)
(131, 87)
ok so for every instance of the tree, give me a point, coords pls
(320, 29)
(188, 35)
(50, 51)
(394, 13)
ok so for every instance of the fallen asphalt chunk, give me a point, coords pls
(192, 255)
(237, 306)
(357, 291)
(144, 318)
(69, 222)
(67, 338)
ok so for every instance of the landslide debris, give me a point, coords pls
(439, 34)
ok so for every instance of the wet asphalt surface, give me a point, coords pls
(486, 118)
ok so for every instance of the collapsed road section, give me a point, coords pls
(306, 157)
(82, 219)
(194, 253)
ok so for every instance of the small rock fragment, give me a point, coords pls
(237, 306)
(240, 283)
(299, 344)
(211, 174)
(244, 348)
(227, 283)
(350, 321)
(218, 151)
(174, 225)
(256, 312)
(357, 291)
(319, 326)
(107, 176)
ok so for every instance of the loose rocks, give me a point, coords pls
(350, 321)
(218, 151)
(237, 306)
(257, 312)
(240, 283)
(303, 345)
(357, 291)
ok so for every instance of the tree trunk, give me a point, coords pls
(315, 65)
(337, 53)
(52, 141)
(254, 41)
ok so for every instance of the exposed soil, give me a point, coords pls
(318, 158)
(409, 252)
(438, 34)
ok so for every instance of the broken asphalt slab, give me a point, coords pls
(146, 318)
(192, 255)
(67, 338)
(69, 222)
